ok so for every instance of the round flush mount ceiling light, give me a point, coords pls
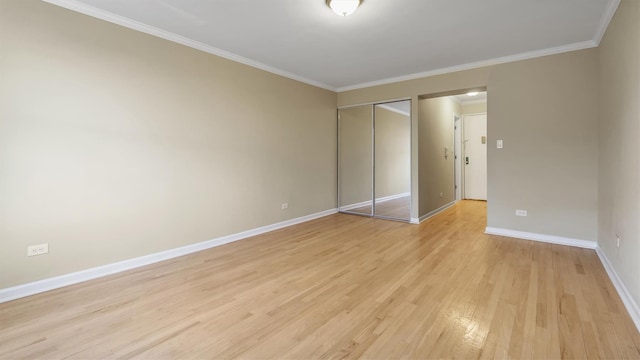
(344, 7)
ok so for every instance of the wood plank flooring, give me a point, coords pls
(343, 286)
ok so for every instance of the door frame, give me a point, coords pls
(458, 174)
(373, 157)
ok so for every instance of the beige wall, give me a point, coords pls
(619, 172)
(116, 144)
(436, 174)
(474, 108)
(549, 162)
(393, 153)
(545, 110)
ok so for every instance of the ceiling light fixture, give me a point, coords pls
(344, 7)
(472, 93)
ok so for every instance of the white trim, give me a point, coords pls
(435, 212)
(632, 307)
(552, 239)
(506, 59)
(458, 152)
(374, 103)
(387, 107)
(378, 200)
(393, 197)
(605, 20)
(82, 8)
(473, 114)
(471, 102)
(415, 221)
(355, 205)
(40, 286)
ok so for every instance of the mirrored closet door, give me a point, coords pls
(374, 154)
(392, 131)
(355, 158)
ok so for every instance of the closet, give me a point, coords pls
(374, 160)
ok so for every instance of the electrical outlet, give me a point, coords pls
(284, 206)
(521, 212)
(441, 194)
(41, 249)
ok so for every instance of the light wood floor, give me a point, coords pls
(343, 286)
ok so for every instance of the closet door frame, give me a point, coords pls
(373, 160)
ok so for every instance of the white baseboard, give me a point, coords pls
(355, 206)
(40, 286)
(378, 200)
(434, 212)
(632, 307)
(393, 197)
(552, 239)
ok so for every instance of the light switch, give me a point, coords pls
(499, 144)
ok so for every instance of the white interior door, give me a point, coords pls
(458, 156)
(475, 160)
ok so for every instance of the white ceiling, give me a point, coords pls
(383, 41)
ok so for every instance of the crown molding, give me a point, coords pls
(472, 102)
(501, 60)
(455, 99)
(605, 20)
(85, 9)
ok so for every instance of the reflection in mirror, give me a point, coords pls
(393, 160)
(355, 183)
